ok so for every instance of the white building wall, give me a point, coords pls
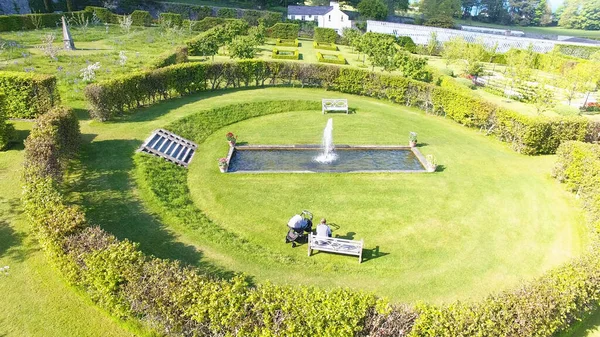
(335, 19)
(422, 34)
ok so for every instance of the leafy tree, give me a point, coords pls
(581, 14)
(433, 45)
(520, 65)
(414, 67)
(453, 49)
(373, 9)
(542, 15)
(381, 49)
(440, 8)
(494, 11)
(522, 12)
(208, 45)
(259, 33)
(242, 47)
(542, 97)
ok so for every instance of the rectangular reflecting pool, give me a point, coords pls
(270, 159)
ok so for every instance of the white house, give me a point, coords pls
(326, 16)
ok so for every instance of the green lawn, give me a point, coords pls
(35, 299)
(490, 219)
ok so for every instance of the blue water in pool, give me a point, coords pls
(348, 160)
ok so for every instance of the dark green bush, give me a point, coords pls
(252, 17)
(407, 43)
(327, 35)
(284, 31)
(6, 130)
(583, 52)
(171, 18)
(228, 13)
(141, 18)
(200, 12)
(104, 14)
(271, 18)
(28, 95)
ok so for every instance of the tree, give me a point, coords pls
(581, 14)
(452, 50)
(413, 67)
(373, 9)
(351, 37)
(494, 11)
(522, 12)
(541, 97)
(433, 45)
(259, 33)
(242, 47)
(440, 8)
(542, 15)
(381, 49)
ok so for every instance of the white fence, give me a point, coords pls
(422, 34)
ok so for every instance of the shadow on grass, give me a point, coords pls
(589, 327)
(17, 143)
(11, 242)
(105, 187)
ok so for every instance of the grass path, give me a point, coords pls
(35, 300)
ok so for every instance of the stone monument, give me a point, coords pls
(67, 39)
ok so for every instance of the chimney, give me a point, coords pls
(334, 4)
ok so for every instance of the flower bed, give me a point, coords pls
(330, 58)
(285, 54)
(325, 46)
(287, 43)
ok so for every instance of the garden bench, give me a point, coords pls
(335, 105)
(335, 245)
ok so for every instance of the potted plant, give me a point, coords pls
(431, 163)
(223, 164)
(412, 139)
(231, 138)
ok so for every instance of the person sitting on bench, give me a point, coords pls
(323, 230)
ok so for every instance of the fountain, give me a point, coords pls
(327, 156)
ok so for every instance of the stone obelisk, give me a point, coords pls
(67, 39)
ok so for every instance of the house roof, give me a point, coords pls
(309, 10)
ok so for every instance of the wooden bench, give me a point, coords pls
(335, 245)
(334, 105)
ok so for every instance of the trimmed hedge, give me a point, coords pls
(407, 43)
(325, 46)
(6, 130)
(204, 24)
(287, 43)
(164, 295)
(327, 35)
(276, 55)
(527, 135)
(104, 14)
(583, 52)
(141, 18)
(281, 30)
(175, 19)
(338, 60)
(25, 22)
(28, 95)
(180, 55)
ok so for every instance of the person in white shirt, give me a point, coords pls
(323, 230)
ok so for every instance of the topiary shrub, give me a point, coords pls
(325, 46)
(170, 19)
(327, 35)
(28, 95)
(331, 58)
(285, 54)
(287, 43)
(141, 18)
(284, 31)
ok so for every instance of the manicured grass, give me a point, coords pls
(490, 219)
(35, 299)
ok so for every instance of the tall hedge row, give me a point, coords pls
(28, 95)
(166, 296)
(528, 135)
(284, 31)
(328, 35)
(179, 55)
(28, 21)
(6, 130)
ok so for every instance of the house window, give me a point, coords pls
(310, 16)
(329, 17)
(303, 17)
(342, 18)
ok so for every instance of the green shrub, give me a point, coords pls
(171, 18)
(54, 140)
(584, 52)
(141, 18)
(28, 95)
(271, 18)
(327, 35)
(206, 24)
(325, 46)
(287, 31)
(180, 55)
(287, 43)
(407, 43)
(200, 12)
(228, 13)
(328, 58)
(47, 20)
(6, 130)
(104, 14)
(278, 55)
